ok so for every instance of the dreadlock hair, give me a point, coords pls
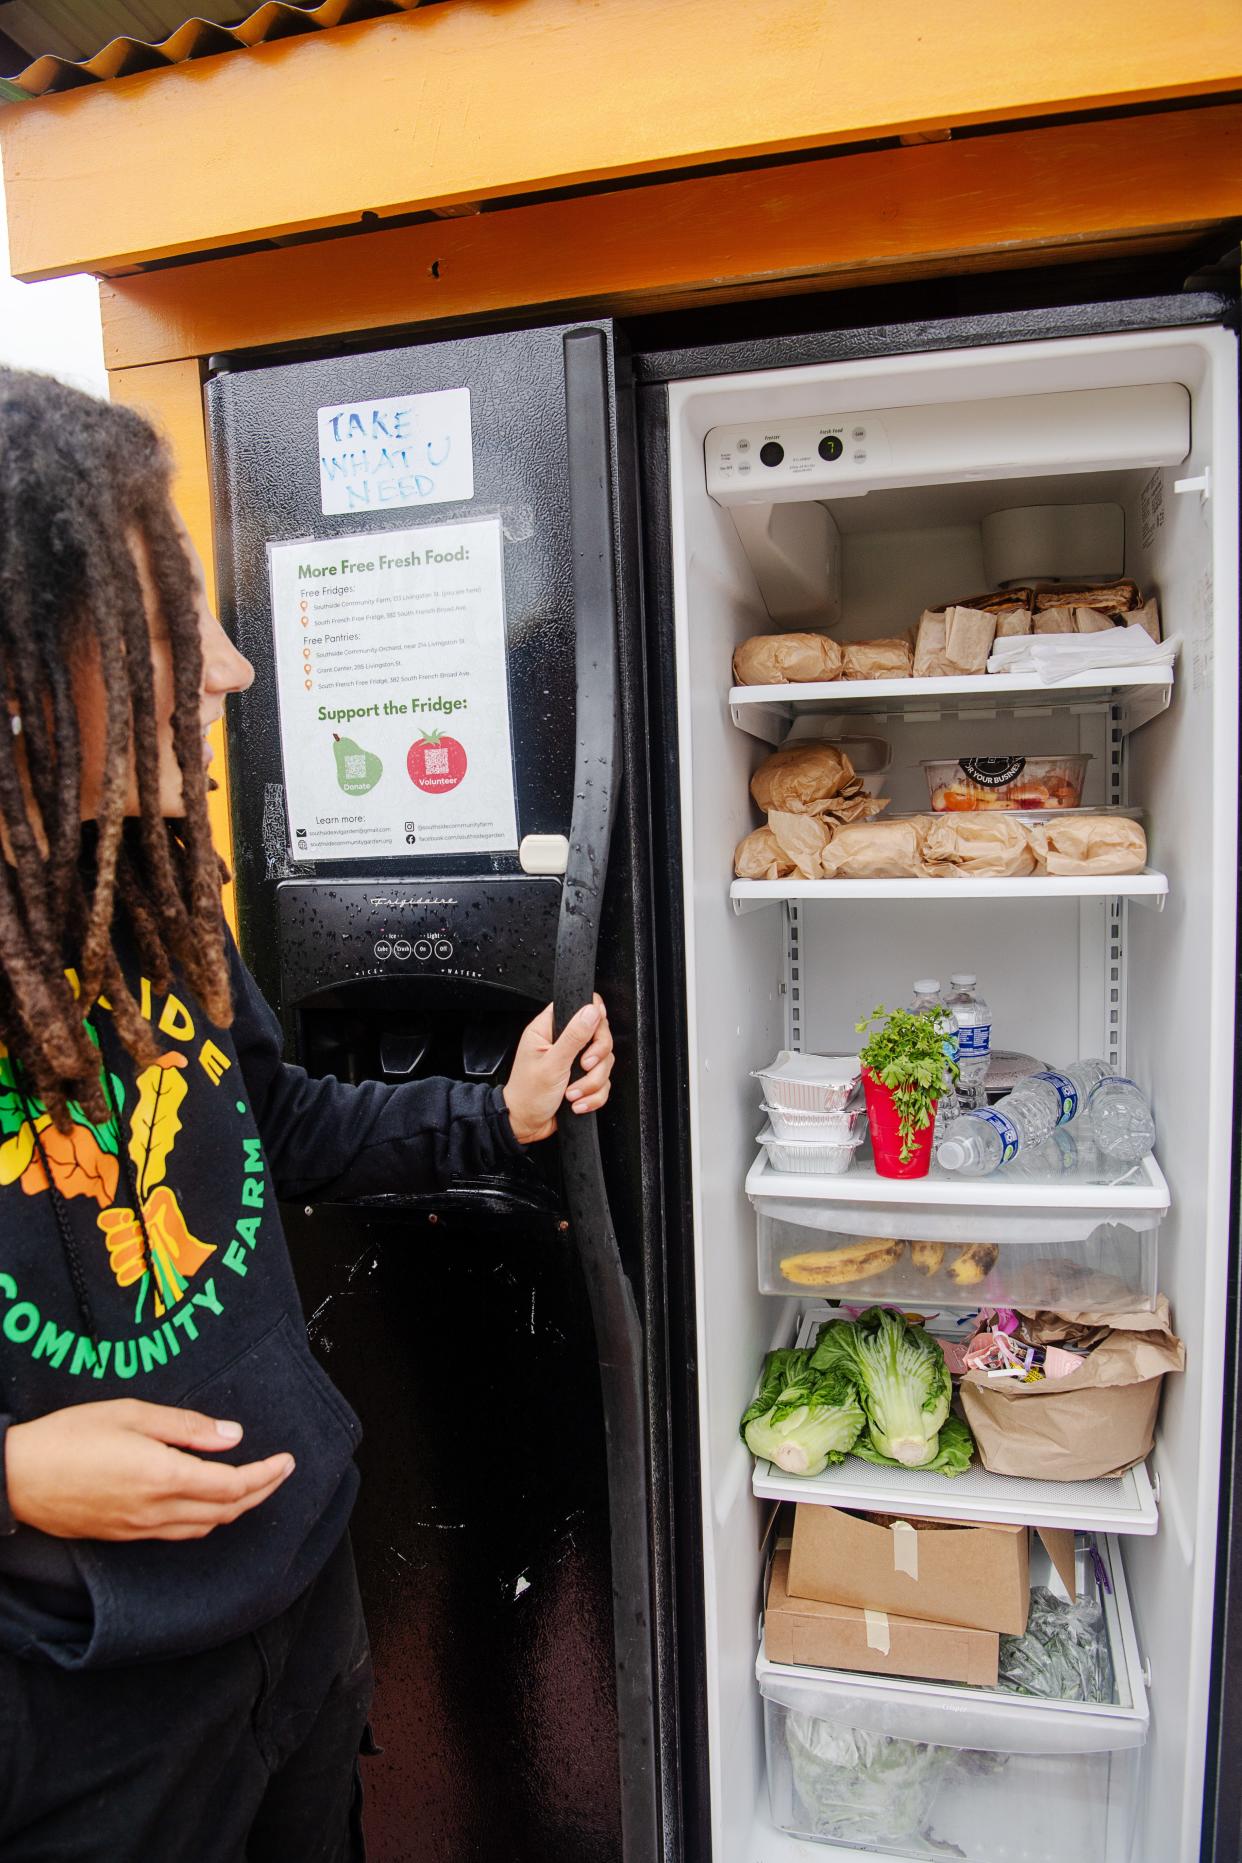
(79, 478)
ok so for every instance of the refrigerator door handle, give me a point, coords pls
(614, 1310)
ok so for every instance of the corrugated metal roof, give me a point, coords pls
(196, 37)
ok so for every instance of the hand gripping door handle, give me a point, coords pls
(618, 1331)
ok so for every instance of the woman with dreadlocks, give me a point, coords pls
(183, 1666)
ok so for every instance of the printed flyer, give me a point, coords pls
(394, 695)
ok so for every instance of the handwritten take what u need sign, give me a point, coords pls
(403, 450)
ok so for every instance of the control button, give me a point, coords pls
(860, 454)
(422, 949)
(743, 445)
(830, 447)
(383, 948)
(858, 433)
(744, 466)
(403, 949)
(771, 452)
(443, 949)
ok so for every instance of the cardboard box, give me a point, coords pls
(839, 1636)
(969, 1573)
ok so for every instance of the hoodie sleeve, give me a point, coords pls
(7, 1522)
(326, 1138)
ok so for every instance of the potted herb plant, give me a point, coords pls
(904, 1064)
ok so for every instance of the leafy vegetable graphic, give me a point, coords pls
(176, 1255)
(156, 1121)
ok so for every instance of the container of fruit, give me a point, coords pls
(973, 783)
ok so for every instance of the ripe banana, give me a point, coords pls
(973, 1263)
(834, 1267)
(927, 1256)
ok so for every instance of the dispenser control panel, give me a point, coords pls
(499, 931)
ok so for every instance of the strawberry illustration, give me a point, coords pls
(436, 763)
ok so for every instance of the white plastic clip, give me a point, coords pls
(1201, 483)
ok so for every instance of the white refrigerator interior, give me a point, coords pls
(1147, 424)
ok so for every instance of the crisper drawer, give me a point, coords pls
(805, 1248)
(918, 1769)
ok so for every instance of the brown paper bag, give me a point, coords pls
(991, 846)
(1091, 621)
(1055, 621)
(800, 775)
(801, 840)
(1148, 617)
(1100, 844)
(878, 659)
(758, 856)
(1093, 1425)
(872, 851)
(954, 645)
(1012, 621)
(785, 659)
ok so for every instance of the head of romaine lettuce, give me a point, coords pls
(902, 1380)
(802, 1419)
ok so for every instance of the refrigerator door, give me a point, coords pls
(492, 1339)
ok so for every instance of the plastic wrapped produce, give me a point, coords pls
(786, 659)
(1063, 1655)
(878, 659)
(861, 1787)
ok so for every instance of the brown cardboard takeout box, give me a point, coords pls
(840, 1636)
(975, 1574)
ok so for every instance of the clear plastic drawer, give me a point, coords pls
(927, 1770)
(805, 1249)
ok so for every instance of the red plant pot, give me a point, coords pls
(882, 1118)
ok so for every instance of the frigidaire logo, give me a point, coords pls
(423, 899)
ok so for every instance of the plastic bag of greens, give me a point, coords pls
(1064, 1653)
(863, 1787)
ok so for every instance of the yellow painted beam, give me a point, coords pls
(1064, 191)
(170, 394)
(489, 98)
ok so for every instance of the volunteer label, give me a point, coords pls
(403, 450)
(394, 694)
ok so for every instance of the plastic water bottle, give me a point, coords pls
(990, 1136)
(1121, 1121)
(974, 1039)
(927, 1001)
(1074, 1086)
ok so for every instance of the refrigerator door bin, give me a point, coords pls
(922, 1769)
(801, 1250)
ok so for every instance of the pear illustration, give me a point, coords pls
(357, 770)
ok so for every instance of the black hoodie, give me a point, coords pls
(207, 1141)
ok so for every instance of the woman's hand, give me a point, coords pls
(541, 1069)
(117, 1471)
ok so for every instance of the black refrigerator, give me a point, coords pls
(541, 1535)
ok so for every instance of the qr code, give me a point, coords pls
(436, 760)
(356, 766)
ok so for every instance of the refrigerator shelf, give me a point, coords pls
(1147, 888)
(1125, 1505)
(766, 712)
(1144, 1188)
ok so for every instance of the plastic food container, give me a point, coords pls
(810, 1083)
(821, 1156)
(927, 1769)
(972, 783)
(807, 1249)
(789, 1123)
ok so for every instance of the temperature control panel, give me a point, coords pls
(753, 464)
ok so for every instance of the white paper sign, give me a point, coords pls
(394, 695)
(405, 450)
